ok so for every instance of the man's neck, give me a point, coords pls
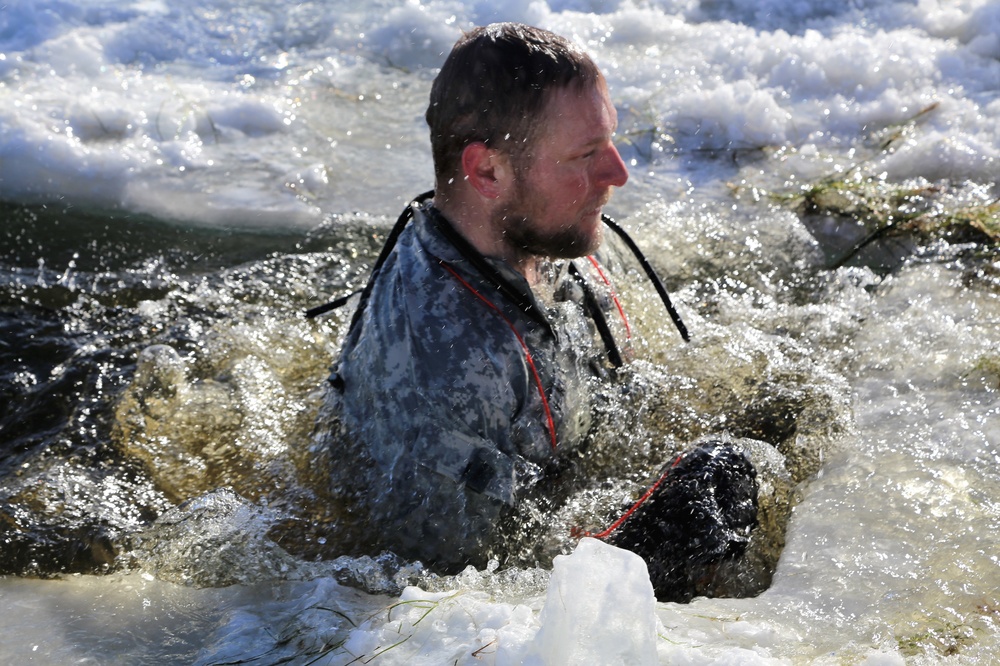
(476, 226)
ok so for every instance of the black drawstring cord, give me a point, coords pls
(469, 253)
(332, 305)
(600, 321)
(390, 242)
(651, 274)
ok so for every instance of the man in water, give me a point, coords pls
(463, 384)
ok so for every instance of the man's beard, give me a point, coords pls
(522, 235)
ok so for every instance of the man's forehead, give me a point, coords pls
(588, 109)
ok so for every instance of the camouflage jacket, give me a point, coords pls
(440, 388)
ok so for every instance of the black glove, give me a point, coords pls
(700, 513)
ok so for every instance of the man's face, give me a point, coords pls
(554, 209)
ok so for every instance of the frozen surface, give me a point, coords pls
(263, 114)
(599, 606)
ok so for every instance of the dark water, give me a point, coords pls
(147, 363)
(81, 295)
(160, 387)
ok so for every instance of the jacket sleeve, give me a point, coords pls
(451, 492)
(435, 391)
(443, 470)
(436, 490)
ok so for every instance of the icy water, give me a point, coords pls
(182, 180)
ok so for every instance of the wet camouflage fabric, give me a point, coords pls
(445, 427)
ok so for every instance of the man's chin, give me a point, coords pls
(591, 239)
(580, 245)
(581, 239)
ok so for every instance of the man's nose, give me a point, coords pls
(612, 169)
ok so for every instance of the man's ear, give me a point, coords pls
(488, 171)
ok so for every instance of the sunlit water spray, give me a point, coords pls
(149, 363)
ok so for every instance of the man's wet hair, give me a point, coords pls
(494, 87)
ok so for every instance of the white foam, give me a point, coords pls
(231, 92)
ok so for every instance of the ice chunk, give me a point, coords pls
(599, 609)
